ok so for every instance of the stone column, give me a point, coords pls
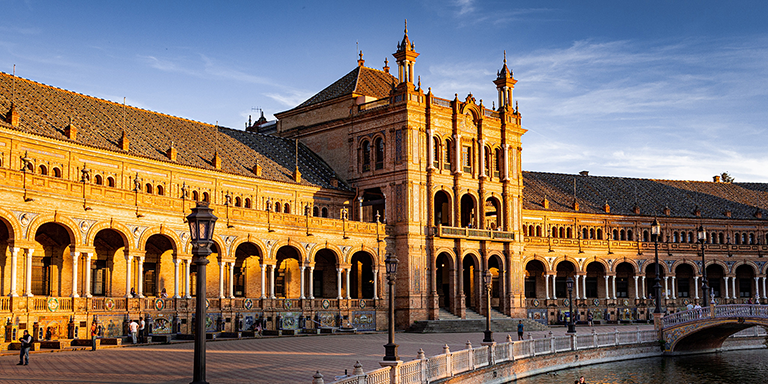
(75, 258)
(349, 272)
(554, 287)
(28, 274)
(141, 276)
(644, 288)
(765, 295)
(673, 289)
(696, 287)
(505, 148)
(87, 272)
(607, 289)
(232, 280)
(375, 283)
(546, 284)
(272, 281)
(222, 266)
(577, 286)
(637, 292)
(263, 280)
(175, 278)
(338, 283)
(14, 271)
(311, 282)
(301, 280)
(666, 287)
(128, 275)
(734, 293)
(187, 271)
(726, 288)
(584, 285)
(757, 288)
(614, 286)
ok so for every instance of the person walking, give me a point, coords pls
(142, 330)
(94, 333)
(26, 344)
(520, 327)
(590, 319)
(134, 328)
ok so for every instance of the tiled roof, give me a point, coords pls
(46, 111)
(361, 81)
(652, 196)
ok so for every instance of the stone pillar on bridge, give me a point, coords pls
(696, 287)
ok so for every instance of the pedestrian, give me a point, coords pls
(26, 343)
(94, 333)
(133, 292)
(142, 330)
(134, 328)
(589, 318)
(520, 327)
(581, 380)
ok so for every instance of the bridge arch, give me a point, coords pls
(705, 329)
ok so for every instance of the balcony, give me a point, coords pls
(473, 234)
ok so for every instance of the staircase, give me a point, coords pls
(474, 322)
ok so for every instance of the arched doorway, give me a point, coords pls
(361, 277)
(442, 205)
(534, 280)
(565, 269)
(497, 286)
(715, 279)
(745, 277)
(684, 281)
(325, 278)
(51, 267)
(445, 282)
(5, 240)
(287, 273)
(595, 275)
(246, 280)
(157, 274)
(109, 245)
(211, 274)
(468, 218)
(470, 282)
(625, 285)
(650, 279)
(493, 220)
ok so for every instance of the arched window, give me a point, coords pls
(562, 232)
(721, 238)
(436, 152)
(110, 181)
(278, 207)
(379, 144)
(615, 234)
(497, 162)
(531, 230)
(366, 156)
(553, 231)
(751, 238)
(195, 196)
(98, 180)
(448, 154)
(569, 232)
(238, 201)
(148, 188)
(623, 234)
(737, 238)
(315, 211)
(585, 233)
(206, 197)
(629, 235)
(599, 233)
(646, 235)
(247, 202)
(286, 208)
(43, 170)
(160, 190)
(325, 212)
(488, 162)
(744, 238)
(56, 172)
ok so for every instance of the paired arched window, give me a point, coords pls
(379, 147)
(436, 152)
(148, 188)
(98, 180)
(247, 203)
(43, 170)
(497, 162)
(195, 196)
(160, 190)
(238, 201)
(366, 160)
(56, 172)
(110, 181)
(206, 197)
(286, 208)
(488, 162)
(448, 154)
(315, 211)
(278, 207)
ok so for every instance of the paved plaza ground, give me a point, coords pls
(262, 360)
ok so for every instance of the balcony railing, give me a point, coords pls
(474, 234)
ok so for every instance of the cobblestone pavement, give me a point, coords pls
(264, 360)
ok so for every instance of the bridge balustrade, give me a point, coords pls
(720, 311)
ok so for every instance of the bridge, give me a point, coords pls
(705, 329)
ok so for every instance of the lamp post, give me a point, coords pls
(488, 333)
(655, 233)
(201, 224)
(569, 284)
(390, 349)
(701, 234)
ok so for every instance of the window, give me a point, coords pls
(325, 212)
(436, 152)
(488, 162)
(43, 170)
(247, 203)
(206, 198)
(110, 181)
(160, 190)
(98, 180)
(195, 196)
(448, 150)
(149, 188)
(379, 144)
(286, 208)
(315, 211)
(745, 287)
(683, 287)
(238, 201)
(466, 158)
(278, 207)
(530, 287)
(366, 156)
(56, 172)
(496, 162)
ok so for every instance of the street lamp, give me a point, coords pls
(569, 284)
(655, 233)
(488, 333)
(390, 349)
(701, 234)
(201, 224)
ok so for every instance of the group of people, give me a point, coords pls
(138, 330)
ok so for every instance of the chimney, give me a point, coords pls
(13, 116)
(172, 152)
(125, 143)
(297, 175)
(636, 209)
(71, 130)
(575, 205)
(257, 168)
(216, 160)
(607, 208)
(584, 173)
(667, 211)
(715, 179)
(545, 203)
(727, 213)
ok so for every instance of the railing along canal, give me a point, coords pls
(720, 311)
(428, 369)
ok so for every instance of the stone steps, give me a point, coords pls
(474, 322)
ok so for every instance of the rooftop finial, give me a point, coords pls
(406, 26)
(505, 56)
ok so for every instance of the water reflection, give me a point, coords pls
(743, 367)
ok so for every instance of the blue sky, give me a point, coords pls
(652, 89)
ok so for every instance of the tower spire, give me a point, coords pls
(505, 83)
(406, 58)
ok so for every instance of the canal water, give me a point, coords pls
(738, 367)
